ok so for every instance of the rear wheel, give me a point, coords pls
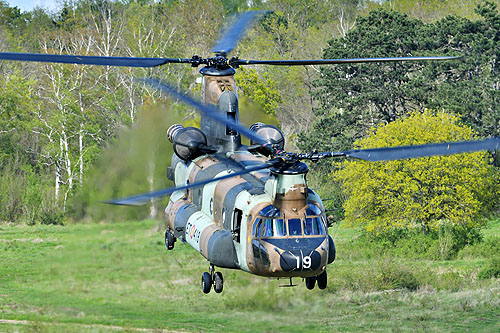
(206, 282)
(218, 282)
(310, 282)
(322, 280)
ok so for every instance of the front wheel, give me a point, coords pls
(310, 282)
(322, 280)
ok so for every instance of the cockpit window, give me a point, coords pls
(280, 227)
(267, 228)
(270, 223)
(313, 226)
(294, 227)
(273, 227)
(256, 227)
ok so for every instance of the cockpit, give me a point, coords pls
(271, 223)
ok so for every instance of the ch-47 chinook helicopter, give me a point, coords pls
(247, 207)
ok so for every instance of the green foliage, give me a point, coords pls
(429, 10)
(482, 249)
(260, 88)
(446, 243)
(491, 269)
(355, 97)
(44, 105)
(419, 193)
(393, 276)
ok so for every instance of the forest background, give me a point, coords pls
(71, 136)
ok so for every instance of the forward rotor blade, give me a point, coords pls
(397, 153)
(91, 60)
(235, 31)
(206, 110)
(140, 199)
(240, 62)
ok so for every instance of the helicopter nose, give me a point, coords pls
(299, 254)
(293, 260)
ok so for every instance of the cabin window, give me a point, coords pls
(237, 224)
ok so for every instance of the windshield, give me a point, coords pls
(269, 223)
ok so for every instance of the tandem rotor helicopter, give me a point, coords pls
(247, 207)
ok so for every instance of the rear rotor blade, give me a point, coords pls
(206, 110)
(235, 31)
(140, 199)
(91, 60)
(397, 153)
(240, 62)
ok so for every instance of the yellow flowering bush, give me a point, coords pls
(418, 193)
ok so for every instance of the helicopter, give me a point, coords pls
(247, 207)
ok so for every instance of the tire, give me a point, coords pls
(322, 280)
(310, 282)
(206, 282)
(169, 240)
(218, 283)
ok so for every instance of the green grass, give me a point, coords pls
(101, 277)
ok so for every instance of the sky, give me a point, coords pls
(27, 5)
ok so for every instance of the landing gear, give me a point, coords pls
(206, 282)
(169, 239)
(322, 280)
(218, 282)
(310, 282)
(212, 278)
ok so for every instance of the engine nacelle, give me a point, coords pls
(271, 134)
(187, 141)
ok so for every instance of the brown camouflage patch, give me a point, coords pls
(221, 190)
(172, 209)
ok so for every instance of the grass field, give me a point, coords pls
(105, 277)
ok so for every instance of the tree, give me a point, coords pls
(418, 193)
(356, 97)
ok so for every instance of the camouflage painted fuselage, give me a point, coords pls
(226, 221)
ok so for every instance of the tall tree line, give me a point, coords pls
(55, 120)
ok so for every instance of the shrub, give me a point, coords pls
(485, 249)
(491, 269)
(441, 244)
(395, 196)
(393, 276)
